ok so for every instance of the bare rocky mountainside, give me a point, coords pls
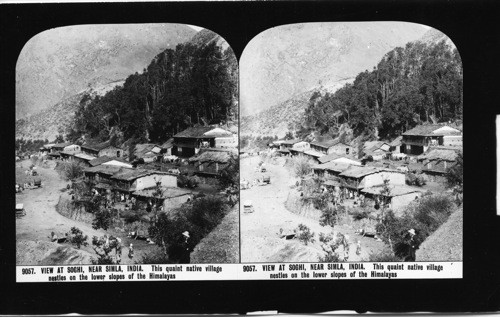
(54, 120)
(295, 62)
(59, 63)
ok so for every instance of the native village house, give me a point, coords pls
(396, 197)
(322, 148)
(417, 140)
(378, 150)
(102, 149)
(211, 162)
(436, 162)
(189, 142)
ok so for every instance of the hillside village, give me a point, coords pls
(357, 183)
(365, 171)
(131, 193)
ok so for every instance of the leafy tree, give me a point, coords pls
(304, 234)
(455, 175)
(75, 236)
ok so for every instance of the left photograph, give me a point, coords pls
(127, 146)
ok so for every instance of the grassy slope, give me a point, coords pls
(222, 244)
(446, 243)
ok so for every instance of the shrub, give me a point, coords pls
(329, 216)
(75, 236)
(432, 211)
(301, 166)
(359, 214)
(103, 248)
(103, 218)
(304, 234)
(325, 238)
(329, 257)
(187, 181)
(73, 170)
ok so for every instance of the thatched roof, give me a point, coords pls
(439, 154)
(104, 169)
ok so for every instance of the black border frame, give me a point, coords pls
(472, 26)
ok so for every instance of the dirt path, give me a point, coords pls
(259, 230)
(32, 231)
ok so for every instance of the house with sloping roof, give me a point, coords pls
(359, 177)
(376, 149)
(189, 142)
(101, 173)
(83, 158)
(437, 161)
(330, 169)
(102, 149)
(211, 163)
(130, 180)
(332, 147)
(417, 140)
(396, 197)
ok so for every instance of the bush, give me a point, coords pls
(187, 181)
(73, 170)
(103, 218)
(415, 180)
(329, 257)
(301, 166)
(304, 234)
(329, 216)
(75, 236)
(104, 249)
(360, 214)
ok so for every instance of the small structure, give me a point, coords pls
(417, 140)
(331, 168)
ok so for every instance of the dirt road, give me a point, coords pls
(259, 230)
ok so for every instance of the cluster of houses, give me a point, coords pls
(379, 172)
(208, 150)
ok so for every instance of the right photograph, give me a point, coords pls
(351, 144)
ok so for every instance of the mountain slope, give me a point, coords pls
(50, 122)
(275, 120)
(291, 59)
(58, 63)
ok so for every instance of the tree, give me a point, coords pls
(59, 139)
